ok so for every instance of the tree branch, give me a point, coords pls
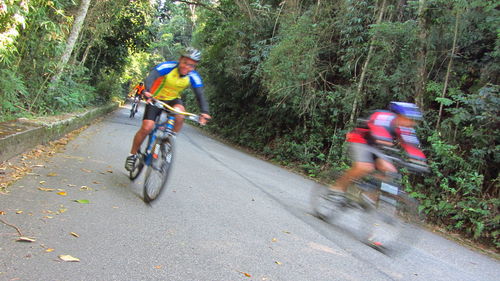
(197, 3)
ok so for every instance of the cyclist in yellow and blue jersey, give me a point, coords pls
(165, 82)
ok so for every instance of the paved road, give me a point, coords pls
(226, 216)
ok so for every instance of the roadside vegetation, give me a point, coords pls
(288, 78)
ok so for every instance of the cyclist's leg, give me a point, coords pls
(363, 164)
(179, 119)
(382, 165)
(148, 123)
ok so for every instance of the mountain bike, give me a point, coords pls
(389, 224)
(135, 106)
(157, 153)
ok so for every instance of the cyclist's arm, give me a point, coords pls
(200, 97)
(410, 143)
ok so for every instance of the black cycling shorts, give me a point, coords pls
(151, 112)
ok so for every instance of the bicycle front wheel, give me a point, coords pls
(158, 171)
(132, 110)
(395, 224)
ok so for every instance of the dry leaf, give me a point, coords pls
(274, 240)
(62, 193)
(158, 266)
(84, 187)
(109, 171)
(96, 182)
(246, 274)
(25, 239)
(278, 263)
(51, 175)
(287, 232)
(74, 234)
(46, 189)
(42, 182)
(72, 185)
(19, 212)
(2, 213)
(49, 250)
(62, 210)
(68, 258)
(48, 217)
(86, 170)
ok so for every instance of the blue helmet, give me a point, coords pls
(406, 109)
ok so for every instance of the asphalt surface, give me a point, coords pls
(226, 215)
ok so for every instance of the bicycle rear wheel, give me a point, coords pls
(394, 226)
(139, 163)
(157, 173)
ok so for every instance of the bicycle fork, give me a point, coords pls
(162, 133)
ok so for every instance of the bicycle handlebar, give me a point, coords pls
(410, 166)
(162, 105)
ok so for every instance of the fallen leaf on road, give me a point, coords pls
(51, 175)
(96, 182)
(74, 234)
(158, 266)
(86, 170)
(82, 201)
(62, 193)
(278, 263)
(287, 232)
(62, 211)
(246, 274)
(49, 250)
(84, 187)
(25, 239)
(2, 213)
(109, 171)
(46, 189)
(48, 217)
(19, 212)
(42, 182)
(68, 258)
(72, 185)
(274, 240)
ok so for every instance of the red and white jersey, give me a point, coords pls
(380, 126)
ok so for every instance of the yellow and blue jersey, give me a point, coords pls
(165, 83)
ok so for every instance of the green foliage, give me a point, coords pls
(13, 91)
(70, 93)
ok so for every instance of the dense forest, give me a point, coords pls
(287, 78)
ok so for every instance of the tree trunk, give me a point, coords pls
(421, 56)
(361, 82)
(73, 36)
(448, 71)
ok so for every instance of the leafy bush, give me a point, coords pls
(13, 92)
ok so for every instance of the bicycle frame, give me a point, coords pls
(166, 128)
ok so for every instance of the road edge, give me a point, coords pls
(38, 132)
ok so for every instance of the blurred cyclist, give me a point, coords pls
(165, 83)
(381, 130)
(138, 90)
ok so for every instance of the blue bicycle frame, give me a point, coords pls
(163, 130)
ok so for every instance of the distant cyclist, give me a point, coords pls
(138, 90)
(138, 93)
(165, 82)
(382, 129)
